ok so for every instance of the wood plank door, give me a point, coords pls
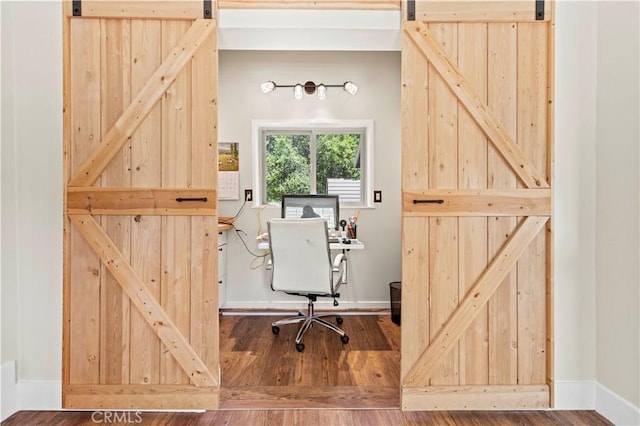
(140, 223)
(476, 182)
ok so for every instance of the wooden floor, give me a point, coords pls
(265, 381)
(311, 418)
(262, 370)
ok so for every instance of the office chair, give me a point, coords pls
(301, 265)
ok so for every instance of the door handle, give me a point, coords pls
(439, 201)
(181, 199)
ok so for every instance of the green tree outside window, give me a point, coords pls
(336, 158)
(289, 157)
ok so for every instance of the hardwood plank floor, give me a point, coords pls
(265, 381)
(311, 418)
(251, 355)
(262, 370)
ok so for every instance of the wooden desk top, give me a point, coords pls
(354, 245)
(225, 226)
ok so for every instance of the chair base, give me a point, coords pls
(308, 319)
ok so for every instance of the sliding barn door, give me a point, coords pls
(476, 181)
(140, 223)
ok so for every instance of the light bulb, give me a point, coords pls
(350, 88)
(297, 91)
(268, 86)
(322, 92)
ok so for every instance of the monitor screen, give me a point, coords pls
(301, 206)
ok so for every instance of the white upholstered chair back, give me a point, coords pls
(300, 255)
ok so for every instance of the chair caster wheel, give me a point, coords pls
(345, 339)
(300, 347)
(275, 329)
(339, 320)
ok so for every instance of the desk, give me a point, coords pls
(355, 245)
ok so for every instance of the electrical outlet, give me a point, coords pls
(248, 194)
(377, 196)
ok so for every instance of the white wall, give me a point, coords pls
(377, 75)
(356, 30)
(575, 178)
(32, 195)
(7, 185)
(32, 188)
(1, 98)
(618, 202)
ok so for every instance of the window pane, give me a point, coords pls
(338, 166)
(287, 165)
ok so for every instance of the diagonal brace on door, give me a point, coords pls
(476, 298)
(143, 103)
(481, 113)
(142, 298)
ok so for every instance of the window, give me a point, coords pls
(304, 157)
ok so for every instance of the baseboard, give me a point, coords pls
(616, 409)
(575, 395)
(27, 394)
(591, 395)
(9, 393)
(569, 395)
(40, 395)
(293, 305)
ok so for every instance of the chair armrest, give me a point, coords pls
(337, 261)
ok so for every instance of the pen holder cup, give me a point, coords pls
(352, 231)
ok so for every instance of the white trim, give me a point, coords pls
(309, 19)
(314, 40)
(575, 395)
(293, 124)
(283, 29)
(283, 313)
(615, 408)
(591, 395)
(40, 395)
(10, 400)
(570, 395)
(321, 305)
(27, 394)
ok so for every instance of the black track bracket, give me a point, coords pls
(411, 10)
(539, 10)
(76, 6)
(208, 9)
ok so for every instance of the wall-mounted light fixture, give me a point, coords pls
(309, 88)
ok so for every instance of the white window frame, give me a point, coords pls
(366, 159)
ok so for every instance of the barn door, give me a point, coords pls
(476, 161)
(140, 279)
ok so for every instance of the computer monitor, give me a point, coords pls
(301, 206)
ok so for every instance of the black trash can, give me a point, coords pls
(395, 288)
